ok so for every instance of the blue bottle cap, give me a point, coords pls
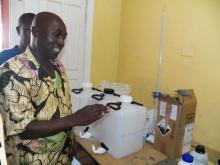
(187, 158)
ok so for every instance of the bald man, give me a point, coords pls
(35, 99)
(24, 32)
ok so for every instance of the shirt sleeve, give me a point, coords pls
(16, 102)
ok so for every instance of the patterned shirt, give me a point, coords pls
(28, 94)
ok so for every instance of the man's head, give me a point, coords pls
(24, 29)
(48, 35)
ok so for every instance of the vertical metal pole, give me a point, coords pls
(162, 46)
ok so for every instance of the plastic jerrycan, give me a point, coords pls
(80, 98)
(122, 129)
(108, 95)
(83, 96)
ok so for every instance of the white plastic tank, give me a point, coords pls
(80, 98)
(119, 88)
(83, 96)
(199, 155)
(108, 95)
(122, 129)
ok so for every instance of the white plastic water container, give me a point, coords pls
(122, 129)
(120, 88)
(199, 156)
(186, 159)
(83, 96)
(80, 98)
(107, 96)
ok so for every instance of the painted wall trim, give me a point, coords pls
(88, 40)
(5, 20)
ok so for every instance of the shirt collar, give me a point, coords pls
(30, 63)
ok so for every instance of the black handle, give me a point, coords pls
(114, 106)
(95, 89)
(98, 96)
(77, 91)
(115, 94)
(134, 102)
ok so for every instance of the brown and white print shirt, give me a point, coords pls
(28, 94)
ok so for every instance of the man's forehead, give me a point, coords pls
(48, 22)
(57, 25)
(26, 26)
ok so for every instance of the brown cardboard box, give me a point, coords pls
(175, 121)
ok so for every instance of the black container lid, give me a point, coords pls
(109, 91)
(200, 149)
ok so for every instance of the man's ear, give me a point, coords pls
(18, 30)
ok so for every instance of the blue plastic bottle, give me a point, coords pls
(186, 159)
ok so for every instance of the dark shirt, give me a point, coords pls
(7, 54)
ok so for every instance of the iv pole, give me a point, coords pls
(159, 68)
(162, 45)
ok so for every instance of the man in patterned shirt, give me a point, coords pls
(35, 99)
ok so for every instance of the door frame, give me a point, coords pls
(88, 37)
(88, 40)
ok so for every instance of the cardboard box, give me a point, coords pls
(175, 122)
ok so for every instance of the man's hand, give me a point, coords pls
(44, 128)
(89, 114)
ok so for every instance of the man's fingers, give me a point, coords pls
(99, 108)
(99, 113)
(100, 116)
(92, 113)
